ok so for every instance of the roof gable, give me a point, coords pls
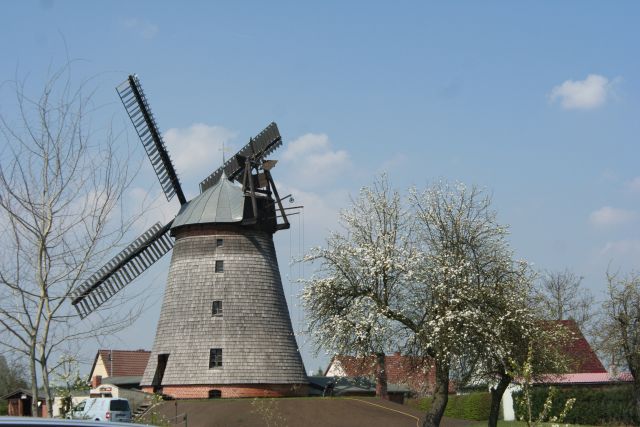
(122, 363)
(585, 360)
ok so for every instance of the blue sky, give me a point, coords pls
(537, 102)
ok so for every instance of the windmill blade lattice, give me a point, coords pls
(262, 145)
(121, 270)
(137, 106)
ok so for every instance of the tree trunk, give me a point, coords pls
(496, 398)
(381, 377)
(440, 396)
(633, 361)
(47, 390)
(34, 386)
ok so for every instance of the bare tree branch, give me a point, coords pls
(61, 214)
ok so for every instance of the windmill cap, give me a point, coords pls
(222, 203)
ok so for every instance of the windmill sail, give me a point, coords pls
(123, 269)
(262, 145)
(137, 106)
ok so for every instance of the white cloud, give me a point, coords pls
(151, 206)
(144, 28)
(320, 212)
(196, 150)
(312, 162)
(586, 94)
(608, 216)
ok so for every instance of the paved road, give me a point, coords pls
(304, 412)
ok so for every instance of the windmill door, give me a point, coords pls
(157, 378)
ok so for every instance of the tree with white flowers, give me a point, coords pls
(361, 274)
(423, 274)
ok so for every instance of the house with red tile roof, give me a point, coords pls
(119, 367)
(584, 370)
(585, 366)
(117, 373)
(577, 349)
(418, 375)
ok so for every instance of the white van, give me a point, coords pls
(109, 409)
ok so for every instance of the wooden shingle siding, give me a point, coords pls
(255, 332)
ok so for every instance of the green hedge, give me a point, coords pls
(3, 407)
(473, 406)
(605, 405)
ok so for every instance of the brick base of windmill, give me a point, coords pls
(233, 391)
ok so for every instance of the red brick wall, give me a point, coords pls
(233, 390)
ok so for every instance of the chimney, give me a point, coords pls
(96, 381)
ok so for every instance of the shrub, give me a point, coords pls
(604, 405)
(473, 406)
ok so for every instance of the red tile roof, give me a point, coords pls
(578, 349)
(123, 363)
(418, 375)
(585, 378)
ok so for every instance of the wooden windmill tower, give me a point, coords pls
(224, 328)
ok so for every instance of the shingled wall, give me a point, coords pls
(254, 332)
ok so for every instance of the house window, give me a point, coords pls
(219, 266)
(216, 309)
(219, 242)
(215, 358)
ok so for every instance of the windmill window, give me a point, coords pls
(216, 309)
(215, 358)
(219, 266)
(219, 242)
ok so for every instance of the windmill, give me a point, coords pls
(224, 327)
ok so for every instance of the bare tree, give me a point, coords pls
(61, 188)
(561, 296)
(621, 324)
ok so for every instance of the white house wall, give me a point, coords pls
(336, 369)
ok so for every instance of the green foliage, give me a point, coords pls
(604, 405)
(473, 406)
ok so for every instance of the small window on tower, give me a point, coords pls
(219, 242)
(219, 266)
(215, 358)
(216, 308)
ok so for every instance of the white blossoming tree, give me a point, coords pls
(436, 276)
(361, 273)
